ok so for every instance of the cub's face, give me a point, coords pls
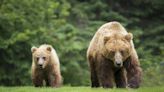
(41, 56)
(118, 49)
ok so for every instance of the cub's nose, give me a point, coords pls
(40, 65)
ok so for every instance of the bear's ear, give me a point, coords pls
(49, 48)
(107, 38)
(33, 49)
(129, 36)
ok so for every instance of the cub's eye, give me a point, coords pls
(112, 52)
(37, 58)
(44, 58)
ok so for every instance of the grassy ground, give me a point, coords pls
(78, 89)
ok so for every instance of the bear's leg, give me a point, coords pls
(51, 80)
(47, 82)
(37, 81)
(106, 74)
(120, 78)
(134, 77)
(106, 79)
(58, 80)
(134, 72)
(55, 79)
(94, 78)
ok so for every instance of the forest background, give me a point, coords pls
(69, 25)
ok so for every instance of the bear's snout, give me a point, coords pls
(40, 65)
(118, 64)
(40, 62)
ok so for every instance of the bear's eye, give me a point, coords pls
(112, 53)
(37, 58)
(44, 58)
(122, 52)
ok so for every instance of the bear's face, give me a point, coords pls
(41, 56)
(118, 48)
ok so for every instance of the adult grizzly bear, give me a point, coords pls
(113, 59)
(45, 66)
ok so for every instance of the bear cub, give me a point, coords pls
(45, 66)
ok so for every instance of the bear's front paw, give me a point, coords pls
(95, 85)
(133, 85)
(107, 85)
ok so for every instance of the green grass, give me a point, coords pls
(78, 89)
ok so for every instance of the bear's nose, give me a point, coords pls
(40, 65)
(118, 64)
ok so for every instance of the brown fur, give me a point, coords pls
(50, 69)
(112, 44)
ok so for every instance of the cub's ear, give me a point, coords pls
(33, 49)
(129, 36)
(49, 48)
(107, 38)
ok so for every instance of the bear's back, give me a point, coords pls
(111, 28)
